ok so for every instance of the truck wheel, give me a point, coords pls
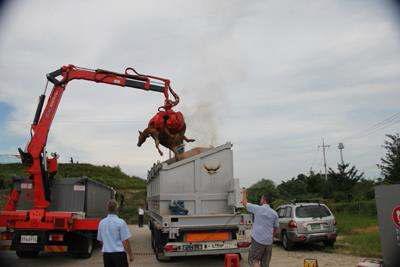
(160, 255)
(158, 247)
(27, 254)
(82, 247)
(88, 249)
(286, 243)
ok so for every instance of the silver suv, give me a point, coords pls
(305, 223)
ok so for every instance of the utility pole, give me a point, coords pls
(341, 147)
(324, 154)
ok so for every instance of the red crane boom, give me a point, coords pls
(30, 231)
(34, 155)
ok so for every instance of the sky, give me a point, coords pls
(272, 77)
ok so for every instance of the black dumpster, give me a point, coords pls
(71, 194)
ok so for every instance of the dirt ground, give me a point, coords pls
(145, 258)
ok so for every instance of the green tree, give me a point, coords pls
(265, 186)
(293, 188)
(364, 189)
(315, 184)
(342, 181)
(390, 164)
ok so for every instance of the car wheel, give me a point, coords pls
(286, 243)
(329, 243)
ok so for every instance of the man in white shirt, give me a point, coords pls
(264, 226)
(114, 234)
(140, 216)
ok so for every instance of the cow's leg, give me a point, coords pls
(157, 143)
(158, 147)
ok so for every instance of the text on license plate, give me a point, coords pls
(29, 239)
(210, 246)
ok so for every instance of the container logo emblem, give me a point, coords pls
(212, 169)
(396, 216)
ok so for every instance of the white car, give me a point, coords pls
(305, 223)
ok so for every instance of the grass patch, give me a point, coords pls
(365, 244)
(358, 235)
(346, 223)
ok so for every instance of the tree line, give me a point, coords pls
(344, 183)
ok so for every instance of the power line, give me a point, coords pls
(389, 121)
(380, 128)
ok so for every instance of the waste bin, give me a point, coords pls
(388, 207)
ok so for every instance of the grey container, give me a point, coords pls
(387, 198)
(203, 182)
(72, 194)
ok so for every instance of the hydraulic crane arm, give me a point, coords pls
(35, 154)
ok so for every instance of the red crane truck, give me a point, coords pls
(35, 230)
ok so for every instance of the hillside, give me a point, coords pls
(111, 176)
(133, 188)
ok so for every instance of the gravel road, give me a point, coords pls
(144, 257)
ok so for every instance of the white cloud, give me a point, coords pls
(272, 77)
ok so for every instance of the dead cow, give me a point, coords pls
(168, 129)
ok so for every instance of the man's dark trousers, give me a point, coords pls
(115, 259)
(141, 219)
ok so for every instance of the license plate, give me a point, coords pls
(29, 239)
(231, 244)
(315, 226)
(222, 245)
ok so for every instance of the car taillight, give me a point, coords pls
(243, 244)
(56, 237)
(169, 248)
(334, 222)
(292, 224)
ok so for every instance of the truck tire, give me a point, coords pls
(81, 247)
(160, 255)
(159, 247)
(26, 254)
(87, 249)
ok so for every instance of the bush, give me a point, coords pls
(359, 207)
(111, 176)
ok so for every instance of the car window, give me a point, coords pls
(312, 211)
(288, 212)
(277, 211)
(281, 212)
